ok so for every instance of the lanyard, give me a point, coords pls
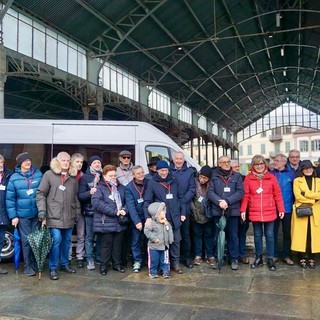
(167, 187)
(63, 178)
(140, 192)
(226, 181)
(110, 189)
(29, 182)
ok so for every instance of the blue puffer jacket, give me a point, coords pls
(217, 192)
(4, 219)
(105, 219)
(156, 192)
(19, 203)
(285, 179)
(185, 180)
(132, 195)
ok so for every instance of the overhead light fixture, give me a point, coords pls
(288, 99)
(286, 89)
(282, 51)
(278, 17)
(179, 48)
(284, 73)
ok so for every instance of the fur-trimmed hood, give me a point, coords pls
(56, 167)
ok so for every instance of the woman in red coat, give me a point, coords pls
(263, 196)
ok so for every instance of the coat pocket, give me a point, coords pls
(54, 211)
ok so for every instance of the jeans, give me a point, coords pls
(158, 258)
(138, 238)
(185, 238)
(61, 241)
(27, 226)
(242, 229)
(286, 230)
(2, 236)
(89, 239)
(269, 234)
(203, 233)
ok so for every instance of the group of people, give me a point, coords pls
(166, 217)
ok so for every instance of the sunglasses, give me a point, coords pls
(125, 157)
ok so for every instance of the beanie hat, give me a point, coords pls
(206, 171)
(162, 164)
(22, 157)
(93, 158)
(155, 208)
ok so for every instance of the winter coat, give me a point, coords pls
(4, 219)
(185, 181)
(198, 209)
(159, 231)
(156, 192)
(134, 205)
(124, 176)
(217, 192)
(285, 179)
(105, 219)
(84, 196)
(263, 205)
(299, 226)
(62, 207)
(21, 204)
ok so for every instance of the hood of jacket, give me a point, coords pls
(56, 168)
(155, 208)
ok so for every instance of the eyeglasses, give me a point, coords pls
(259, 164)
(125, 157)
(111, 175)
(225, 162)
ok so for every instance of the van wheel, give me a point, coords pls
(8, 247)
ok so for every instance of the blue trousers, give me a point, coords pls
(203, 233)
(158, 258)
(269, 234)
(89, 238)
(61, 242)
(138, 239)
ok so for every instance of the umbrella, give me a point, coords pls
(17, 249)
(40, 242)
(221, 224)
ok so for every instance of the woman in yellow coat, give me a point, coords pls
(305, 231)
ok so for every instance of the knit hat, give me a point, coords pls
(125, 153)
(93, 158)
(153, 160)
(155, 208)
(206, 171)
(162, 164)
(22, 157)
(305, 164)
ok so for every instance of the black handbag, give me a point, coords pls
(304, 211)
(123, 220)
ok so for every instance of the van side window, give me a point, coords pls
(158, 151)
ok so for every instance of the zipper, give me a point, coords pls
(261, 201)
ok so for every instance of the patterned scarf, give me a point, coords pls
(97, 175)
(259, 175)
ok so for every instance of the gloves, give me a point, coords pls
(42, 216)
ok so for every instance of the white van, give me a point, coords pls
(44, 139)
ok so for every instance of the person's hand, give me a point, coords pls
(148, 222)
(139, 226)
(223, 204)
(93, 190)
(183, 218)
(122, 212)
(156, 241)
(243, 216)
(43, 223)
(41, 215)
(15, 222)
(281, 215)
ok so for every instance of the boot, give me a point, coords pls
(258, 262)
(271, 265)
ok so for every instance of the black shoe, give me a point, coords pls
(176, 268)
(258, 262)
(119, 269)
(103, 271)
(53, 274)
(189, 264)
(67, 269)
(80, 263)
(271, 265)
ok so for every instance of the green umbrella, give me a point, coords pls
(40, 243)
(221, 224)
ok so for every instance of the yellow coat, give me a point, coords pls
(299, 226)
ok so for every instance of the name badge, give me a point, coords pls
(200, 199)
(226, 189)
(2, 187)
(169, 196)
(259, 190)
(140, 200)
(30, 191)
(111, 197)
(61, 187)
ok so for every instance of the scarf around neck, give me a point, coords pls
(97, 175)
(259, 175)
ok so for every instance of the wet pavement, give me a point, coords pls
(198, 293)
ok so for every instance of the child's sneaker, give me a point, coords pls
(136, 267)
(166, 276)
(153, 276)
(90, 265)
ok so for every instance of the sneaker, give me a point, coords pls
(153, 276)
(166, 276)
(91, 265)
(136, 267)
(234, 265)
(197, 261)
(3, 271)
(213, 262)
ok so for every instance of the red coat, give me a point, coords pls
(262, 205)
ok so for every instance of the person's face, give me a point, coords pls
(153, 167)
(203, 179)
(138, 174)
(294, 158)
(1, 165)
(78, 163)
(26, 165)
(96, 165)
(235, 167)
(64, 162)
(224, 163)
(307, 171)
(111, 176)
(259, 166)
(125, 159)
(163, 173)
(178, 160)
(279, 163)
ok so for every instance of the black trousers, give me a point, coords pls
(111, 244)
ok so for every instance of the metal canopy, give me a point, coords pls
(231, 61)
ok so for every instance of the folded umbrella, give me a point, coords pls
(221, 224)
(17, 249)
